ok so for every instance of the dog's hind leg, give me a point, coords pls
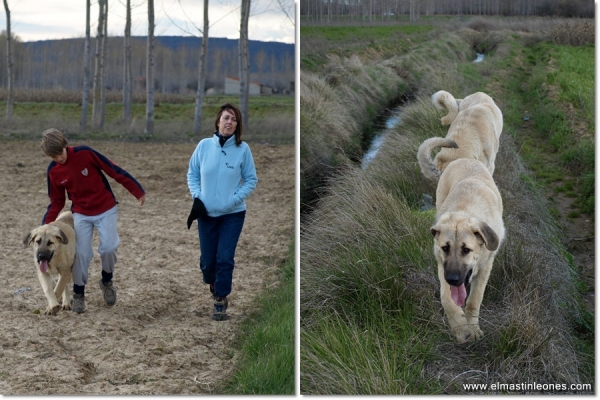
(46, 282)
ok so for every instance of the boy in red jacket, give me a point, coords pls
(78, 172)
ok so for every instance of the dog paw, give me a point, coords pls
(477, 333)
(468, 333)
(66, 306)
(52, 310)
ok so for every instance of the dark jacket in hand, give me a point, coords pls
(198, 211)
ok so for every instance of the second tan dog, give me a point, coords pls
(467, 234)
(475, 128)
(54, 254)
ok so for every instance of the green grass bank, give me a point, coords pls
(267, 342)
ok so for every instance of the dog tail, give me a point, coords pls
(445, 101)
(428, 168)
(66, 217)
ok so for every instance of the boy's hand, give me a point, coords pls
(142, 199)
(198, 211)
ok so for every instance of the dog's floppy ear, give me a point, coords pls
(487, 235)
(27, 239)
(62, 237)
(435, 230)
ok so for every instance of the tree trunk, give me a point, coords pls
(415, 10)
(9, 65)
(150, 71)
(86, 70)
(127, 72)
(98, 69)
(244, 63)
(201, 73)
(103, 67)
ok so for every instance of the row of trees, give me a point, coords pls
(98, 77)
(56, 64)
(327, 11)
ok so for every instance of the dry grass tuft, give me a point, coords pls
(574, 33)
(335, 110)
(482, 25)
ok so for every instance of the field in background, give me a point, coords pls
(271, 118)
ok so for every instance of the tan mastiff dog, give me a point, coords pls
(54, 254)
(475, 128)
(467, 234)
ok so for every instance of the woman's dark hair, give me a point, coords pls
(239, 128)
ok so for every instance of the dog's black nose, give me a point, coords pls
(44, 256)
(453, 279)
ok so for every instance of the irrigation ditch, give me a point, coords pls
(392, 116)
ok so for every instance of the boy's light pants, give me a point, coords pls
(106, 223)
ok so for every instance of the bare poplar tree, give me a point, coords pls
(201, 73)
(9, 64)
(287, 6)
(98, 66)
(127, 69)
(86, 69)
(103, 67)
(244, 63)
(415, 8)
(150, 71)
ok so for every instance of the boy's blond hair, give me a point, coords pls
(53, 142)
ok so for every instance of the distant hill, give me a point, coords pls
(51, 64)
(174, 42)
(282, 51)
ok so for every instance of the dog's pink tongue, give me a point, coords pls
(44, 266)
(459, 294)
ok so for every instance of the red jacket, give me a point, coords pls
(82, 178)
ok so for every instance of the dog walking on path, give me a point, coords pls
(475, 129)
(54, 253)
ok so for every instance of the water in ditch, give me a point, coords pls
(394, 119)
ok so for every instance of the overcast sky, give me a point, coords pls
(33, 20)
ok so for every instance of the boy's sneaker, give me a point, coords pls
(109, 292)
(79, 303)
(220, 309)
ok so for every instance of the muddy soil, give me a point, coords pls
(159, 338)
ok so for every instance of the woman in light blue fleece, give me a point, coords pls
(221, 175)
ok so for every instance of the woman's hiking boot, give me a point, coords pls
(220, 309)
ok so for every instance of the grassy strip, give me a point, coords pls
(267, 342)
(271, 119)
(555, 108)
(557, 143)
(367, 41)
(561, 101)
(371, 321)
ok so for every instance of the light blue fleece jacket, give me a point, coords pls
(221, 177)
